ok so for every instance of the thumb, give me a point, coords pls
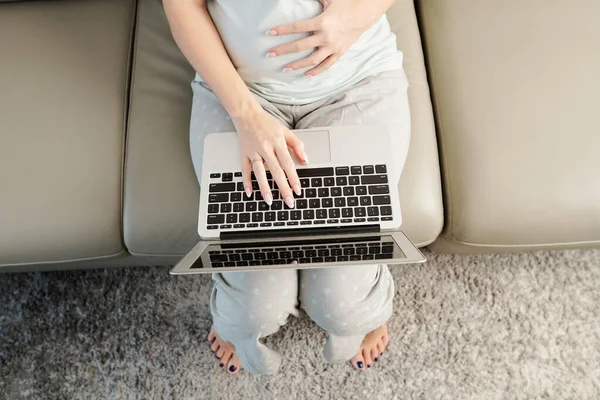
(297, 146)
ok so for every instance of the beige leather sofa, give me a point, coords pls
(94, 110)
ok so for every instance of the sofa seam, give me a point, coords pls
(130, 91)
(449, 217)
(525, 246)
(69, 260)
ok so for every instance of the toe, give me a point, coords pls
(212, 335)
(374, 354)
(225, 359)
(215, 346)
(358, 362)
(233, 366)
(220, 352)
(367, 357)
(379, 348)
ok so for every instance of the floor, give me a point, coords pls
(518, 326)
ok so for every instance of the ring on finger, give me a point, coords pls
(255, 160)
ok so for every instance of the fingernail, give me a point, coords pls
(297, 190)
(271, 54)
(221, 365)
(287, 69)
(268, 198)
(289, 201)
(359, 364)
(232, 368)
(248, 192)
(305, 156)
(272, 32)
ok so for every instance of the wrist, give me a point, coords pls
(243, 109)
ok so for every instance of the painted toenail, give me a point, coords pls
(359, 364)
(376, 359)
(368, 365)
(221, 365)
(232, 368)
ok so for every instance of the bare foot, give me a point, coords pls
(225, 352)
(371, 348)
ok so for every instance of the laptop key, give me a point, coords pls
(238, 207)
(292, 223)
(305, 222)
(232, 218)
(341, 181)
(336, 191)
(334, 213)
(218, 197)
(283, 216)
(386, 210)
(304, 261)
(262, 206)
(336, 252)
(213, 208)
(316, 182)
(327, 202)
(304, 182)
(373, 211)
(225, 208)
(348, 191)
(251, 206)
(226, 226)
(270, 216)
(239, 226)
(296, 215)
(252, 225)
(244, 217)
(308, 214)
(367, 257)
(373, 179)
(328, 181)
(383, 256)
(355, 258)
(347, 213)
(310, 193)
(323, 192)
(365, 201)
(361, 190)
(247, 256)
(387, 218)
(240, 187)
(354, 180)
(349, 251)
(346, 221)
(310, 253)
(352, 201)
(235, 257)
(362, 250)
(213, 226)
(314, 203)
(237, 174)
(342, 171)
(379, 189)
(380, 169)
(215, 219)
(301, 203)
(216, 175)
(373, 219)
(272, 255)
(242, 263)
(257, 217)
(277, 205)
(381, 200)
(368, 169)
(329, 259)
(319, 222)
(254, 262)
(265, 224)
(359, 220)
(227, 177)
(313, 172)
(279, 224)
(321, 214)
(356, 170)
(342, 258)
(340, 202)
(218, 257)
(235, 196)
(221, 187)
(298, 254)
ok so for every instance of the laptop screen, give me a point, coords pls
(300, 251)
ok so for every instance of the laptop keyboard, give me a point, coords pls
(302, 254)
(330, 195)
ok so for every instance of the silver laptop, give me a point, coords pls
(348, 212)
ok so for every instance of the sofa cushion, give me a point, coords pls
(63, 78)
(161, 190)
(516, 96)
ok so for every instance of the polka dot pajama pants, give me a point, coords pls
(346, 301)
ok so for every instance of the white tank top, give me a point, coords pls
(243, 26)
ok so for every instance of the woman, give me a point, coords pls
(265, 67)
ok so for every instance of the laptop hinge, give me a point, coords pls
(295, 232)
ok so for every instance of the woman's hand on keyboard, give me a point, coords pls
(265, 139)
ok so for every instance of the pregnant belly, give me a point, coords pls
(243, 29)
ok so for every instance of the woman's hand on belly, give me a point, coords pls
(264, 143)
(334, 31)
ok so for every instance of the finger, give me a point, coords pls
(263, 184)
(324, 66)
(295, 47)
(286, 162)
(297, 146)
(280, 178)
(247, 175)
(313, 60)
(308, 25)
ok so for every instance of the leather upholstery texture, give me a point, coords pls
(161, 190)
(515, 89)
(63, 99)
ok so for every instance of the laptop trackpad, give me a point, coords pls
(316, 145)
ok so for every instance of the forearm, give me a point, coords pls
(197, 37)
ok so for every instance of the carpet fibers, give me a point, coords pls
(519, 326)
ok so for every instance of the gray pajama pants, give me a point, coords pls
(347, 302)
